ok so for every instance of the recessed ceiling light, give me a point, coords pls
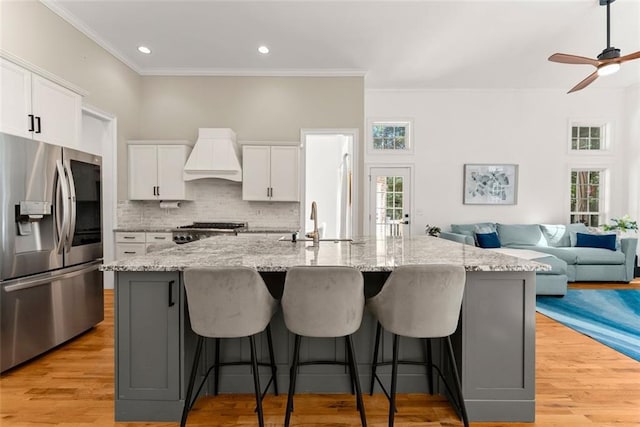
(263, 50)
(144, 49)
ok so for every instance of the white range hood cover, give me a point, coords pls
(215, 155)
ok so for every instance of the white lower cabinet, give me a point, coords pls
(129, 244)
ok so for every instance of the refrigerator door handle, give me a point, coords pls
(72, 198)
(62, 199)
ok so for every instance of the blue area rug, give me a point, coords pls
(610, 316)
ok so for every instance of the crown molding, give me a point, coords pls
(84, 29)
(243, 72)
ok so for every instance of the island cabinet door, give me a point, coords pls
(148, 336)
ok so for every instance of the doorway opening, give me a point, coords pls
(329, 160)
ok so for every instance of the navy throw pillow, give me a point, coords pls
(488, 240)
(603, 241)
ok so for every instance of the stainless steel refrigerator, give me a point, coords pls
(51, 247)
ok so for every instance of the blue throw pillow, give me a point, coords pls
(604, 241)
(488, 240)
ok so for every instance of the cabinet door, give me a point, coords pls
(148, 328)
(171, 160)
(15, 99)
(255, 172)
(59, 111)
(143, 172)
(284, 174)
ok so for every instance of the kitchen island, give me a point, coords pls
(494, 343)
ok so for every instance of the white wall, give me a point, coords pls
(528, 128)
(633, 153)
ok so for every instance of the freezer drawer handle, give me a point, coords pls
(39, 281)
(171, 301)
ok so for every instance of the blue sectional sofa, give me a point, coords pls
(576, 263)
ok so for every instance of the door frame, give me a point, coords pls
(367, 201)
(356, 220)
(109, 153)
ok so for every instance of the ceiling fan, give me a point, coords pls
(608, 61)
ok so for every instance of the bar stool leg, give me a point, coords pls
(374, 364)
(394, 380)
(349, 363)
(216, 368)
(272, 360)
(458, 387)
(192, 380)
(256, 380)
(429, 365)
(353, 368)
(292, 380)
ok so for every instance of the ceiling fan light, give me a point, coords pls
(608, 69)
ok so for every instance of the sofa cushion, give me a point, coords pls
(558, 235)
(488, 240)
(520, 234)
(568, 255)
(558, 266)
(470, 229)
(603, 241)
(598, 256)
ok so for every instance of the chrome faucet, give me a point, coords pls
(315, 235)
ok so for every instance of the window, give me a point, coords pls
(588, 138)
(587, 196)
(390, 136)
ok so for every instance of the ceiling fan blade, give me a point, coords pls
(586, 82)
(564, 58)
(629, 57)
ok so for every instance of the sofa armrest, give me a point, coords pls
(456, 237)
(628, 247)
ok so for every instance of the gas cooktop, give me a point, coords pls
(202, 230)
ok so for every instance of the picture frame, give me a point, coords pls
(490, 184)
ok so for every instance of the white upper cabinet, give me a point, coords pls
(155, 172)
(34, 107)
(270, 173)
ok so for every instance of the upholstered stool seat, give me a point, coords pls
(323, 302)
(228, 302)
(419, 301)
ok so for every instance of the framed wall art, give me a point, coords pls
(490, 184)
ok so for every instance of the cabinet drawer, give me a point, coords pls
(159, 237)
(125, 250)
(129, 237)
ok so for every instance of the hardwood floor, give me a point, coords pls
(579, 382)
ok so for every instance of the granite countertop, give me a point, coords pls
(365, 253)
(142, 229)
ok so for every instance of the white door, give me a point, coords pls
(389, 201)
(285, 182)
(143, 172)
(171, 160)
(255, 172)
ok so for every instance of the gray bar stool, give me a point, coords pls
(420, 301)
(323, 302)
(229, 302)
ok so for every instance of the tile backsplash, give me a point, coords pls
(214, 200)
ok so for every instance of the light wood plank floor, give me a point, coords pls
(579, 384)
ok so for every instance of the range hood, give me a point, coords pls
(215, 155)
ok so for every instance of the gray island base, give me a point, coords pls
(494, 343)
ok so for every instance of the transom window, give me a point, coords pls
(390, 136)
(587, 195)
(588, 138)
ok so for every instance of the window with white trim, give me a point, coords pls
(390, 136)
(589, 137)
(587, 196)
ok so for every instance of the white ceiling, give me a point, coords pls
(477, 44)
